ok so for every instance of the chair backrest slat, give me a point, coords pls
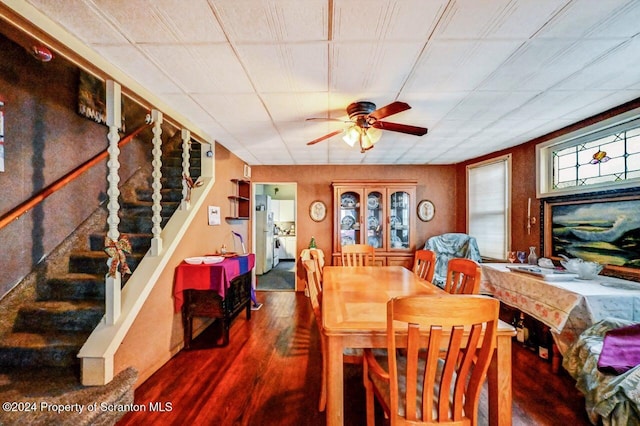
(358, 255)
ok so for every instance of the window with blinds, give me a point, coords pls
(488, 199)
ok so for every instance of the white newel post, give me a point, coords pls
(156, 241)
(113, 283)
(186, 198)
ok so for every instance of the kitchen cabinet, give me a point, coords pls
(378, 213)
(287, 248)
(283, 210)
(287, 211)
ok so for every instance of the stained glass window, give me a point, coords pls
(605, 158)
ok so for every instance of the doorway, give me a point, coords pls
(274, 236)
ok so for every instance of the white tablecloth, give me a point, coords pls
(567, 307)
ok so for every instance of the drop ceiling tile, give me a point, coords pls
(523, 18)
(271, 20)
(233, 109)
(605, 73)
(371, 67)
(466, 19)
(299, 67)
(198, 69)
(385, 20)
(81, 18)
(145, 72)
(458, 65)
(296, 107)
(582, 17)
(139, 21)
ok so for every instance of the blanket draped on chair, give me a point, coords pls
(448, 246)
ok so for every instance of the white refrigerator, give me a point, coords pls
(264, 234)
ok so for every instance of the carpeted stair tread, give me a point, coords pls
(34, 350)
(64, 315)
(95, 262)
(145, 208)
(40, 340)
(140, 241)
(60, 386)
(72, 286)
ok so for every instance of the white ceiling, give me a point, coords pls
(482, 75)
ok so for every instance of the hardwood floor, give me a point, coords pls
(269, 375)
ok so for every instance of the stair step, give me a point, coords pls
(138, 224)
(140, 242)
(168, 194)
(144, 208)
(24, 349)
(72, 287)
(95, 262)
(62, 316)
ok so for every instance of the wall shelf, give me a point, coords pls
(241, 200)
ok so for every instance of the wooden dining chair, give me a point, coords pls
(350, 356)
(424, 263)
(434, 379)
(463, 276)
(318, 260)
(358, 255)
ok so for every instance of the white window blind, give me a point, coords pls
(488, 189)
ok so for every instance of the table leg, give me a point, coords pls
(335, 380)
(499, 375)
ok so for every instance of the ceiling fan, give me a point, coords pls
(366, 124)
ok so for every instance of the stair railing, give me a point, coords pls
(38, 198)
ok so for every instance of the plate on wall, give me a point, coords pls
(426, 210)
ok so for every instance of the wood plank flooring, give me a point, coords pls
(270, 374)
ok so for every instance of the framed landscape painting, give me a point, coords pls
(603, 230)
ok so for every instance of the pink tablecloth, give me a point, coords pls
(216, 277)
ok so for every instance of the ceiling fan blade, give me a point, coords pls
(327, 119)
(320, 139)
(402, 128)
(392, 108)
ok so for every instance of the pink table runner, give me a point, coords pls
(216, 277)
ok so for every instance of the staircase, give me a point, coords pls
(52, 313)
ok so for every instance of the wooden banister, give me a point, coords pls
(24, 207)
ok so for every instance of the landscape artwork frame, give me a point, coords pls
(604, 229)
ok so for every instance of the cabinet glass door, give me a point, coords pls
(350, 218)
(399, 220)
(375, 219)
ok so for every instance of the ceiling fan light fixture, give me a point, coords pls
(351, 135)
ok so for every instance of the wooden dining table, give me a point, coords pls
(354, 303)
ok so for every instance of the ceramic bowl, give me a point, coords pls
(571, 265)
(589, 270)
(193, 260)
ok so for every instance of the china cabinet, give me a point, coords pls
(378, 213)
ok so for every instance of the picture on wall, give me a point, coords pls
(92, 102)
(606, 231)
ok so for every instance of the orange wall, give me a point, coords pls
(436, 183)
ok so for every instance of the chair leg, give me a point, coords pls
(371, 418)
(322, 405)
